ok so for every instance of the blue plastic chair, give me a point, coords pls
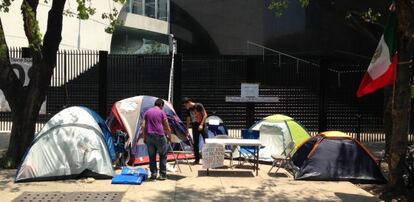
(248, 151)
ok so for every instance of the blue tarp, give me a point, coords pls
(131, 176)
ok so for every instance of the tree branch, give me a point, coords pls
(357, 26)
(404, 9)
(53, 34)
(360, 15)
(9, 83)
(31, 25)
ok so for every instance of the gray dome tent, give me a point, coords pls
(73, 143)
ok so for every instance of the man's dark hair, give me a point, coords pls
(159, 102)
(187, 100)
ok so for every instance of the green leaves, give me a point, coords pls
(304, 3)
(368, 16)
(85, 9)
(371, 16)
(279, 6)
(112, 17)
(4, 5)
(31, 26)
(120, 1)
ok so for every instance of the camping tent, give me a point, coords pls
(334, 155)
(214, 126)
(73, 143)
(127, 115)
(276, 132)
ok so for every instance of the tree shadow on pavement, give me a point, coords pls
(225, 173)
(7, 181)
(356, 197)
(284, 175)
(175, 177)
(267, 191)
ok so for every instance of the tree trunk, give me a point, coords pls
(401, 95)
(387, 119)
(26, 105)
(23, 129)
(400, 119)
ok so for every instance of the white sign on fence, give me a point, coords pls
(213, 155)
(21, 68)
(249, 90)
(252, 99)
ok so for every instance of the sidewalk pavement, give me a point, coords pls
(238, 184)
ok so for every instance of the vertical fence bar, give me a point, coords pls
(252, 63)
(178, 61)
(65, 79)
(358, 129)
(103, 67)
(323, 77)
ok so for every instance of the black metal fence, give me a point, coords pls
(74, 82)
(317, 94)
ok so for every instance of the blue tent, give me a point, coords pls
(214, 126)
(105, 131)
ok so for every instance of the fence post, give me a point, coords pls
(26, 52)
(102, 81)
(178, 61)
(323, 85)
(65, 79)
(358, 130)
(252, 63)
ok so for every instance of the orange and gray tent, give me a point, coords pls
(127, 116)
(334, 155)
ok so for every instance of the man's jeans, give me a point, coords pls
(196, 138)
(157, 144)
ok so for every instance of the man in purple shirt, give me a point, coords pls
(155, 129)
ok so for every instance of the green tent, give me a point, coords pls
(276, 132)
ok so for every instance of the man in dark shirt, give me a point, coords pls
(197, 116)
(155, 129)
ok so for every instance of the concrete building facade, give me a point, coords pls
(145, 22)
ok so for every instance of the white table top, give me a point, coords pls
(239, 142)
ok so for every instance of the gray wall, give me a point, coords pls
(224, 25)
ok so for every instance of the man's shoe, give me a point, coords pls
(196, 162)
(162, 177)
(153, 177)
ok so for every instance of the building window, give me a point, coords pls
(137, 7)
(150, 8)
(163, 10)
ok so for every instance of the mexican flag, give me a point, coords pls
(382, 69)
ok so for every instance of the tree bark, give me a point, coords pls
(387, 119)
(28, 104)
(402, 95)
(13, 90)
(9, 83)
(400, 122)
